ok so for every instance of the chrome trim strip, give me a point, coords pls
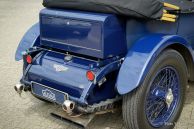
(70, 44)
(69, 54)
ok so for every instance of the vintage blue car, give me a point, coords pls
(91, 58)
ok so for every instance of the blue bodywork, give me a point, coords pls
(73, 79)
(140, 59)
(122, 50)
(147, 42)
(84, 33)
(30, 39)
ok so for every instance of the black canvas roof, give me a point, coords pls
(187, 6)
(152, 9)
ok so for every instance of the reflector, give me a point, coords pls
(90, 75)
(28, 59)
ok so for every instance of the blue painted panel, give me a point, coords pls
(143, 51)
(30, 39)
(105, 91)
(137, 29)
(186, 27)
(97, 35)
(70, 32)
(71, 78)
(141, 57)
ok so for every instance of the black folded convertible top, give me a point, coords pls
(187, 6)
(152, 9)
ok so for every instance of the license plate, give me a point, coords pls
(48, 93)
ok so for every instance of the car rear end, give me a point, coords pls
(78, 58)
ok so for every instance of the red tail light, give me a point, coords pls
(90, 75)
(28, 59)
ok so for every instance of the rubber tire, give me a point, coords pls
(133, 103)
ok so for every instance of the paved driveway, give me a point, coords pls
(16, 16)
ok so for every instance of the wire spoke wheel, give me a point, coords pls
(163, 96)
(158, 102)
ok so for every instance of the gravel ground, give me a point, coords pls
(26, 112)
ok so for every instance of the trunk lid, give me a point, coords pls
(97, 35)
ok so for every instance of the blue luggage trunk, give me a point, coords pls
(83, 33)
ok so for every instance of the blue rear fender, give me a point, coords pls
(30, 39)
(140, 58)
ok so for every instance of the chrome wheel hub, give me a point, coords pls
(169, 97)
